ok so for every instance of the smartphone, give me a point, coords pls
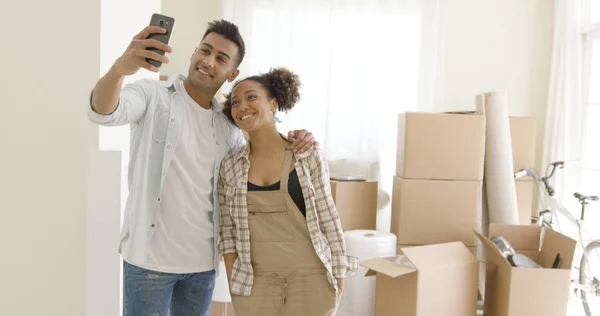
(166, 23)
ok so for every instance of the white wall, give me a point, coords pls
(191, 19)
(50, 61)
(490, 45)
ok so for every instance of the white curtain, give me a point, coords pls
(361, 62)
(564, 116)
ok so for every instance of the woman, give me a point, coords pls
(281, 235)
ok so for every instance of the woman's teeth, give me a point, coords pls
(246, 116)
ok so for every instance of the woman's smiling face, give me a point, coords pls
(251, 106)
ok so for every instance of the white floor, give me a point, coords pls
(575, 307)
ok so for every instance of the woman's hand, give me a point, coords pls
(340, 283)
(229, 260)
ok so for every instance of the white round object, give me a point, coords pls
(359, 291)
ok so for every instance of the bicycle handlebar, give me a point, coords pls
(545, 180)
(555, 165)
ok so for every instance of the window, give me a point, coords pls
(360, 65)
(589, 180)
(594, 11)
(591, 84)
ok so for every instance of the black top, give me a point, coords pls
(294, 189)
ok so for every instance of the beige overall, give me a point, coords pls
(289, 278)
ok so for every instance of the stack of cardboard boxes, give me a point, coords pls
(437, 192)
(437, 205)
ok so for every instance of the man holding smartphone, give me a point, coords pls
(178, 138)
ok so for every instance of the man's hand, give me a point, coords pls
(135, 55)
(303, 140)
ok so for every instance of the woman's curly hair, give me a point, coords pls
(281, 84)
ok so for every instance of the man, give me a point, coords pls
(178, 137)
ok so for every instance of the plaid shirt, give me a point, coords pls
(321, 216)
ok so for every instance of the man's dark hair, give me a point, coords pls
(229, 31)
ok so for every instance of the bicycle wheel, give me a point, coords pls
(591, 301)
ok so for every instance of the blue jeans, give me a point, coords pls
(151, 293)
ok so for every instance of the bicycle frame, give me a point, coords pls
(550, 202)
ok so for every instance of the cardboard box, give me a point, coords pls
(512, 291)
(399, 248)
(442, 281)
(440, 146)
(218, 309)
(426, 212)
(525, 193)
(356, 203)
(523, 135)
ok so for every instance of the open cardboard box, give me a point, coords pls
(513, 291)
(441, 281)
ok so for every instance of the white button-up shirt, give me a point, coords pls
(155, 112)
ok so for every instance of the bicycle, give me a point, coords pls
(586, 283)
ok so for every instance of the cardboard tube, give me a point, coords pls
(500, 192)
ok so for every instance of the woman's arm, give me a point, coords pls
(226, 229)
(329, 220)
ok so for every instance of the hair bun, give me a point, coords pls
(285, 86)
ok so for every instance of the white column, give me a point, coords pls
(103, 276)
(121, 20)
